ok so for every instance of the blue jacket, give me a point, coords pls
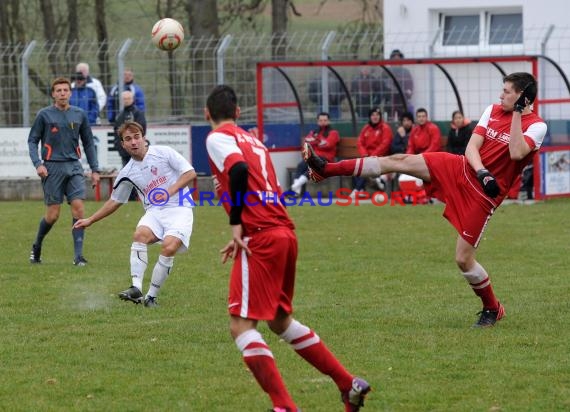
(85, 98)
(114, 96)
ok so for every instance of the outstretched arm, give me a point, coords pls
(109, 207)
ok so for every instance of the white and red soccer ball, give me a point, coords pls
(167, 34)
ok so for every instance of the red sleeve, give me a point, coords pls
(531, 143)
(360, 143)
(434, 139)
(231, 160)
(384, 149)
(411, 145)
(329, 148)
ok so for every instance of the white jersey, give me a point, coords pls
(160, 168)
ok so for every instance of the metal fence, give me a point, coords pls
(176, 85)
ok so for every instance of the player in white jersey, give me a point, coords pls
(160, 176)
(504, 141)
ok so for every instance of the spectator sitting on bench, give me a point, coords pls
(375, 139)
(324, 141)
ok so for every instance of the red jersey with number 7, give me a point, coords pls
(230, 144)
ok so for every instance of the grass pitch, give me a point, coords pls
(378, 284)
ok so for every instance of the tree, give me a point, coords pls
(11, 33)
(204, 23)
(102, 39)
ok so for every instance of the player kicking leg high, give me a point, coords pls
(504, 141)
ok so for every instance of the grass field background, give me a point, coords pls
(378, 284)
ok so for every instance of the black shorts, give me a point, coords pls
(64, 178)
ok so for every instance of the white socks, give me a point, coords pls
(159, 274)
(370, 167)
(139, 262)
(298, 184)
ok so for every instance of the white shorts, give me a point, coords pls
(170, 221)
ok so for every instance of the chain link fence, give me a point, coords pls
(177, 84)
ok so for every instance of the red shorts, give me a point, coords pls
(466, 206)
(265, 280)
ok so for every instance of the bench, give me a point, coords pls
(108, 179)
(346, 149)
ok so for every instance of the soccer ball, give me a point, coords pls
(167, 34)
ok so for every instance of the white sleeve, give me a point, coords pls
(122, 188)
(100, 92)
(536, 132)
(178, 162)
(485, 117)
(219, 147)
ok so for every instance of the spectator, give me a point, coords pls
(57, 130)
(84, 97)
(324, 141)
(395, 105)
(425, 137)
(94, 84)
(374, 140)
(367, 91)
(130, 113)
(336, 95)
(400, 141)
(459, 133)
(113, 102)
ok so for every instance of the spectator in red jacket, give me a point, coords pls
(324, 142)
(375, 139)
(425, 136)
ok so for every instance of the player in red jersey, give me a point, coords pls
(472, 186)
(264, 250)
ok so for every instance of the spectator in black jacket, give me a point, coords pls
(459, 133)
(402, 135)
(130, 113)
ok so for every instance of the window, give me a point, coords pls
(490, 27)
(460, 30)
(505, 28)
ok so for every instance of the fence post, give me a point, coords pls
(26, 84)
(220, 57)
(432, 76)
(121, 69)
(324, 71)
(542, 62)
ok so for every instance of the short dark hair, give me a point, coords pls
(523, 81)
(375, 110)
(396, 52)
(222, 103)
(130, 126)
(60, 80)
(421, 110)
(323, 114)
(407, 115)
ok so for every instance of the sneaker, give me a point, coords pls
(277, 409)
(380, 183)
(35, 254)
(80, 261)
(133, 294)
(316, 163)
(489, 317)
(150, 302)
(354, 398)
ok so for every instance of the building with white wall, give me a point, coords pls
(452, 28)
